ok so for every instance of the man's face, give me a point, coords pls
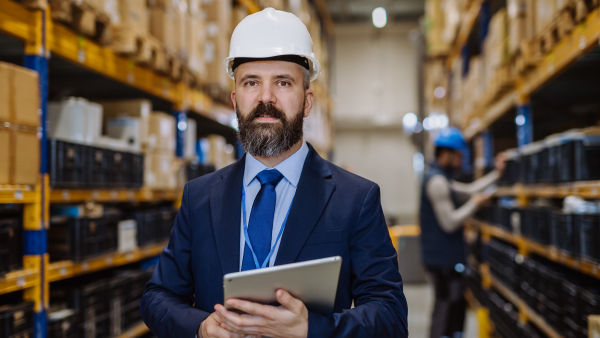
(457, 160)
(271, 104)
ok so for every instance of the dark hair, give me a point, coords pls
(440, 150)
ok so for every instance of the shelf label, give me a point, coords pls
(62, 272)
(20, 282)
(95, 194)
(85, 266)
(130, 78)
(131, 195)
(65, 195)
(129, 256)
(582, 42)
(81, 49)
(114, 194)
(595, 191)
(18, 195)
(109, 261)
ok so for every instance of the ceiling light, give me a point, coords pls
(379, 17)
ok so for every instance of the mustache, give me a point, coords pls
(263, 109)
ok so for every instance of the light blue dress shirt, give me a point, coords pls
(291, 169)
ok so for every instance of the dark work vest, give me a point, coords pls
(440, 249)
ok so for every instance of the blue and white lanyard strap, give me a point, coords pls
(247, 238)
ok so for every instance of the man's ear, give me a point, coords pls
(233, 99)
(309, 96)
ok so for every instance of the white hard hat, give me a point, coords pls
(271, 33)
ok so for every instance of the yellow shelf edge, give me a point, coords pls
(67, 269)
(464, 31)
(16, 20)
(136, 331)
(19, 280)
(585, 189)
(112, 195)
(546, 251)
(19, 194)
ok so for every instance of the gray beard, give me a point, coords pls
(269, 140)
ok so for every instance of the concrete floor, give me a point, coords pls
(420, 299)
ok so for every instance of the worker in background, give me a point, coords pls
(331, 212)
(442, 215)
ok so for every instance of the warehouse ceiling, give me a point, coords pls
(360, 10)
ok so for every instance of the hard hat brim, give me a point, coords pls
(314, 65)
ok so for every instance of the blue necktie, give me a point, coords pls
(260, 226)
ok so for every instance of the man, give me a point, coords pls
(294, 205)
(441, 218)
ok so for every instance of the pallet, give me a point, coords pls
(35, 4)
(84, 19)
(144, 49)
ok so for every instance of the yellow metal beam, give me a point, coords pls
(20, 194)
(250, 5)
(137, 331)
(19, 280)
(16, 20)
(67, 269)
(116, 195)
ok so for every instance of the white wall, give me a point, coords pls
(374, 85)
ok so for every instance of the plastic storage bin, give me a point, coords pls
(66, 165)
(11, 245)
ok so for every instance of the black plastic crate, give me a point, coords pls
(530, 168)
(136, 177)
(97, 167)
(119, 168)
(195, 170)
(66, 164)
(76, 238)
(579, 159)
(510, 176)
(589, 236)
(16, 320)
(589, 304)
(548, 172)
(567, 234)
(166, 218)
(148, 226)
(62, 324)
(11, 244)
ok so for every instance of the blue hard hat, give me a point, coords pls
(452, 138)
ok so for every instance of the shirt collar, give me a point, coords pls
(291, 168)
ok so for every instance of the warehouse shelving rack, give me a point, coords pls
(578, 47)
(41, 37)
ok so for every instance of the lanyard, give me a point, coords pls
(247, 238)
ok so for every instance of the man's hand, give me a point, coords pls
(481, 198)
(289, 320)
(500, 162)
(211, 328)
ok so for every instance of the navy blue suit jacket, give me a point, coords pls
(334, 213)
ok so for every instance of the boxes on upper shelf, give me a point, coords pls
(19, 95)
(19, 156)
(126, 129)
(159, 170)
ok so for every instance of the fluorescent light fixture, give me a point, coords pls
(439, 92)
(379, 17)
(409, 120)
(182, 125)
(520, 120)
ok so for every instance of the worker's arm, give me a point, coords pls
(450, 219)
(380, 305)
(477, 186)
(166, 306)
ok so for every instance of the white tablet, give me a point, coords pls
(313, 282)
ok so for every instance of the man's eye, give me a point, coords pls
(251, 83)
(284, 84)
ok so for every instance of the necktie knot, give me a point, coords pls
(269, 176)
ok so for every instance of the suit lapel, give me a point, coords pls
(312, 195)
(225, 207)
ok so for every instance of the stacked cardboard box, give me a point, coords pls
(159, 162)
(520, 23)
(19, 121)
(435, 25)
(455, 92)
(196, 35)
(216, 49)
(495, 49)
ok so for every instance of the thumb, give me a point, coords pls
(285, 299)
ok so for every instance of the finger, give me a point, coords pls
(236, 321)
(250, 331)
(218, 332)
(250, 307)
(287, 300)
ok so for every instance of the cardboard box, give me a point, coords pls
(19, 95)
(158, 170)
(594, 326)
(189, 149)
(161, 132)
(545, 12)
(216, 49)
(127, 129)
(140, 108)
(196, 34)
(162, 27)
(134, 15)
(75, 120)
(5, 150)
(19, 156)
